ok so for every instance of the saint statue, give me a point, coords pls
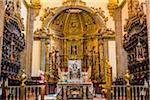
(74, 50)
(139, 52)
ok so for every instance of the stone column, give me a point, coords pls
(147, 2)
(105, 56)
(32, 12)
(43, 54)
(29, 41)
(2, 14)
(121, 55)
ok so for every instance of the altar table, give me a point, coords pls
(75, 91)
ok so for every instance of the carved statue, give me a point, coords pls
(23, 78)
(139, 52)
(46, 12)
(127, 77)
(74, 50)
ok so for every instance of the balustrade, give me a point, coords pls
(30, 92)
(138, 92)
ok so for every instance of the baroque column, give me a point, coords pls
(2, 14)
(32, 12)
(147, 2)
(120, 53)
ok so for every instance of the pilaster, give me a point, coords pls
(2, 14)
(43, 54)
(121, 55)
(147, 2)
(32, 12)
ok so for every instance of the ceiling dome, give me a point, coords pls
(75, 21)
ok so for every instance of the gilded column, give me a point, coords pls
(2, 14)
(105, 57)
(32, 12)
(47, 69)
(120, 53)
(106, 48)
(65, 52)
(147, 2)
(101, 52)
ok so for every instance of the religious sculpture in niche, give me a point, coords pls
(139, 52)
(73, 49)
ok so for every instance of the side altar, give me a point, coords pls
(74, 86)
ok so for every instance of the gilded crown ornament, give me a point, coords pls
(127, 77)
(74, 2)
(23, 78)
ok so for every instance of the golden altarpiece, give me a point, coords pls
(74, 32)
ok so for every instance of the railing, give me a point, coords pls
(30, 92)
(119, 92)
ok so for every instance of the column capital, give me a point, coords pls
(41, 34)
(112, 5)
(34, 4)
